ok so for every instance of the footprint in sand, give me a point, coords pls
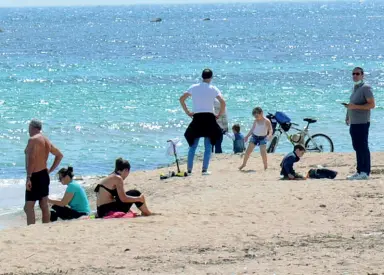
(248, 171)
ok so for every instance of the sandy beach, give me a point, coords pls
(228, 223)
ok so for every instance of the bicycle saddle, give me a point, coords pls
(310, 120)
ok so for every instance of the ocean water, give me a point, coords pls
(105, 81)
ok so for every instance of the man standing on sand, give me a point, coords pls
(204, 122)
(37, 185)
(358, 117)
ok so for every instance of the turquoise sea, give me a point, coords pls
(105, 81)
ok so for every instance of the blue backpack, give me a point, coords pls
(282, 118)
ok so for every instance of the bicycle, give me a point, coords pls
(312, 143)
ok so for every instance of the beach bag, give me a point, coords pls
(286, 126)
(321, 174)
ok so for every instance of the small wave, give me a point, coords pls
(145, 57)
(11, 182)
(172, 111)
(114, 126)
(150, 126)
(10, 211)
(32, 80)
(6, 136)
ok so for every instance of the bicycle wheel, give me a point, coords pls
(319, 143)
(272, 145)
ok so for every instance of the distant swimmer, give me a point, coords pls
(37, 183)
(156, 20)
(207, 19)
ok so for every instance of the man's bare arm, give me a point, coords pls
(183, 98)
(58, 157)
(222, 105)
(30, 157)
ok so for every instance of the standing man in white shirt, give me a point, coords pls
(204, 122)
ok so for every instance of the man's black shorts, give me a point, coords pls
(40, 186)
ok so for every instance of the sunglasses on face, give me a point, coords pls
(356, 73)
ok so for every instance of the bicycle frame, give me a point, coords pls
(303, 132)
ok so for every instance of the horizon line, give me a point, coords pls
(149, 2)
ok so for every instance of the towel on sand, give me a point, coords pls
(119, 215)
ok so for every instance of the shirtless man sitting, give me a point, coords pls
(37, 185)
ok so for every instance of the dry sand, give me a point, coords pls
(228, 223)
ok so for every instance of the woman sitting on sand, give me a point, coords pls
(111, 196)
(75, 197)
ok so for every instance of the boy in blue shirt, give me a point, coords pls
(287, 171)
(238, 139)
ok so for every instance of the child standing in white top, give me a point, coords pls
(261, 132)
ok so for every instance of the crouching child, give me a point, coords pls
(287, 171)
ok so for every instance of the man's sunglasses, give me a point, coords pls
(356, 73)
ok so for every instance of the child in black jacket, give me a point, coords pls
(287, 171)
